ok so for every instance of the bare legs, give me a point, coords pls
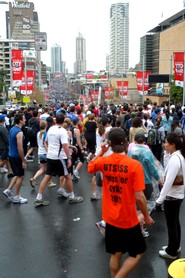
(121, 271)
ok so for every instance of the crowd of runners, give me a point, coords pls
(64, 137)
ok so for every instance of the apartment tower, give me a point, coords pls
(56, 59)
(119, 38)
(80, 64)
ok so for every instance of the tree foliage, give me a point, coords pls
(176, 93)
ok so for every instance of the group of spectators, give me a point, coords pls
(110, 139)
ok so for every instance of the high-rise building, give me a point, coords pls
(146, 53)
(56, 58)
(80, 64)
(119, 38)
(21, 25)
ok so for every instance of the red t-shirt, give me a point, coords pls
(122, 177)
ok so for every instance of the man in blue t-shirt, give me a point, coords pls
(17, 160)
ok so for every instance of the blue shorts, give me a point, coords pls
(42, 158)
(3, 154)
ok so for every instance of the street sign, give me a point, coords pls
(40, 41)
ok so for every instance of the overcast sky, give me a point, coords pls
(63, 20)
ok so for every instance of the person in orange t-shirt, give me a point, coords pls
(123, 185)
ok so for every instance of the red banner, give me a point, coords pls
(17, 67)
(27, 89)
(178, 58)
(140, 76)
(108, 93)
(123, 88)
(94, 95)
(89, 76)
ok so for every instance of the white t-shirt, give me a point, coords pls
(44, 116)
(40, 142)
(56, 135)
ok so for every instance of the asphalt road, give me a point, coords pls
(53, 242)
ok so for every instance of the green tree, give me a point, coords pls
(176, 93)
(3, 86)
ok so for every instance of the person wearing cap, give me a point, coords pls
(123, 185)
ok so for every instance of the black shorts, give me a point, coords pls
(67, 170)
(16, 165)
(3, 154)
(54, 167)
(124, 240)
(33, 141)
(77, 155)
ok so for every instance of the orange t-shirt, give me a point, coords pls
(122, 177)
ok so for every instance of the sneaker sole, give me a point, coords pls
(19, 203)
(62, 196)
(39, 205)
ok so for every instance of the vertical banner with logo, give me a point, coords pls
(178, 58)
(27, 88)
(108, 93)
(122, 88)
(140, 76)
(94, 96)
(17, 67)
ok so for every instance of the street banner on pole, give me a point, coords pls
(17, 67)
(108, 93)
(122, 88)
(142, 76)
(27, 85)
(178, 58)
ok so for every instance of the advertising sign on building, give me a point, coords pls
(40, 41)
(26, 24)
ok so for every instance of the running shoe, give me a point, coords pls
(145, 233)
(100, 227)
(76, 199)
(51, 184)
(74, 178)
(41, 202)
(61, 192)
(19, 200)
(165, 255)
(95, 196)
(8, 194)
(3, 170)
(76, 174)
(32, 182)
